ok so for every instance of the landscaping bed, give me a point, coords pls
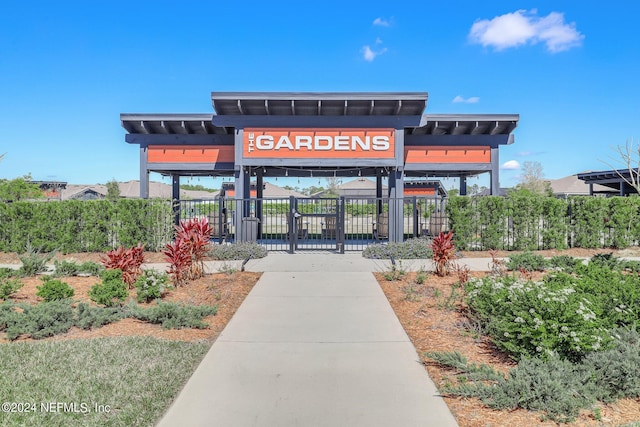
(434, 312)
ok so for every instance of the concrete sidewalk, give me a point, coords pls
(318, 347)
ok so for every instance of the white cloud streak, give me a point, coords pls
(471, 100)
(369, 54)
(526, 27)
(381, 22)
(510, 165)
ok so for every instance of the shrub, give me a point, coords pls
(151, 285)
(33, 262)
(52, 290)
(555, 387)
(607, 260)
(564, 263)
(527, 318)
(187, 252)
(444, 252)
(65, 268)
(238, 251)
(111, 291)
(174, 316)
(43, 320)
(91, 268)
(617, 370)
(9, 287)
(8, 272)
(527, 261)
(195, 234)
(88, 317)
(128, 261)
(179, 258)
(416, 248)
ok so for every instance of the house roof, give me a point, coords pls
(131, 190)
(572, 185)
(272, 190)
(359, 183)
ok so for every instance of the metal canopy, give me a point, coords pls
(465, 124)
(319, 103)
(616, 179)
(171, 124)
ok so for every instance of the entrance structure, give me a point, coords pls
(253, 135)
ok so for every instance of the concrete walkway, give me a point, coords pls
(315, 343)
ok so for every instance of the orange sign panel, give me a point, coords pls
(319, 143)
(191, 154)
(426, 154)
(408, 191)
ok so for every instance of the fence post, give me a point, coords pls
(291, 228)
(340, 223)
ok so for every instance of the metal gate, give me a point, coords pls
(331, 224)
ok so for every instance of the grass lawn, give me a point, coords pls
(125, 381)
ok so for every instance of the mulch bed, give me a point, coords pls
(435, 323)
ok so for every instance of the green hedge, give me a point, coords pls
(526, 221)
(84, 226)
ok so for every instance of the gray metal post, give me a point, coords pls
(175, 198)
(495, 171)
(144, 173)
(396, 205)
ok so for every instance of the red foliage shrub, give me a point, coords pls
(189, 249)
(444, 252)
(178, 255)
(129, 261)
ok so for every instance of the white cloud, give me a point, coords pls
(378, 40)
(525, 27)
(510, 165)
(370, 54)
(470, 100)
(381, 22)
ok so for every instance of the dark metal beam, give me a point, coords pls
(239, 121)
(178, 139)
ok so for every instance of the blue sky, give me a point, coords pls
(68, 69)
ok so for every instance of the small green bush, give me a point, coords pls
(416, 248)
(607, 260)
(33, 262)
(557, 388)
(9, 287)
(43, 320)
(65, 268)
(174, 316)
(527, 261)
(8, 272)
(564, 263)
(52, 290)
(237, 251)
(617, 370)
(88, 317)
(151, 284)
(112, 291)
(91, 268)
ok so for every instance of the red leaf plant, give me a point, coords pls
(179, 257)
(444, 252)
(129, 261)
(189, 249)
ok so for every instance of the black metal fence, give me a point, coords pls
(298, 224)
